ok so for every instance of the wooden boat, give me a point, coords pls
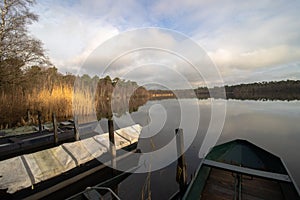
(17, 142)
(40, 174)
(241, 170)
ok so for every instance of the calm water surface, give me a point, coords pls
(272, 125)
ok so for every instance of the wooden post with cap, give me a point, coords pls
(40, 121)
(112, 151)
(112, 145)
(54, 129)
(76, 132)
(181, 177)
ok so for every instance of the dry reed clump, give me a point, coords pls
(14, 105)
(58, 101)
(10, 108)
(84, 105)
(85, 100)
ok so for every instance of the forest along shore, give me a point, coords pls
(274, 90)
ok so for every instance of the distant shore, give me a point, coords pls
(274, 90)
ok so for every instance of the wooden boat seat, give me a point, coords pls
(248, 171)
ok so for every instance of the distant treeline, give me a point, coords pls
(274, 90)
(46, 90)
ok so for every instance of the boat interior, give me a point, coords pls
(224, 184)
(239, 170)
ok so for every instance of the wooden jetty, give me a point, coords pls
(241, 170)
(39, 174)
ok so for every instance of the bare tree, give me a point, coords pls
(16, 42)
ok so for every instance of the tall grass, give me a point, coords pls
(87, 101)
(14, 105)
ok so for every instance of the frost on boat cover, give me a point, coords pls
(23, 171)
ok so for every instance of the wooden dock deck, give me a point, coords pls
(27, 170)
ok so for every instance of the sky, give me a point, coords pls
(246, 41)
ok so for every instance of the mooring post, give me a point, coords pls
(40, 121)
(112, 144)
(76, 132)
(113, 152)
(115, 188)
(181, 165)
(54, 128)
(28, 117)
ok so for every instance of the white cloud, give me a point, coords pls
(261, 58)
(70, 37)
(242, 37)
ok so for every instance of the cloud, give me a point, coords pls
(69, 37)
(242, 37)
(260, 58)
(159, 48)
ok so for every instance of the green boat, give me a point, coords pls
(241, 170)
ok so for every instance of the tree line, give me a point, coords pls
(273, 90)
(280, 90)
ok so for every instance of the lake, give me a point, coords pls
(272, 125)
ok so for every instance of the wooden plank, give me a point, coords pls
(38, 137)
(248, 171)
(15, 140)
(122, 136)
(221, 184)
(258, 188)
(66, 123)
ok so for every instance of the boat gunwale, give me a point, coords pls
(292, 179)
(194, 179)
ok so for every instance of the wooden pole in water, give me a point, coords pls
(40, 121)
(181, 165)
(112, 143)
(76, 132)
(28, 117)
(113, 152)
(54, 128)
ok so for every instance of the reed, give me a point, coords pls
(15, 105)
(87, 101)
